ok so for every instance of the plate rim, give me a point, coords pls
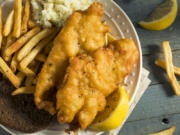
(139, 48)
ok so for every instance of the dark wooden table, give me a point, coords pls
(159, 108)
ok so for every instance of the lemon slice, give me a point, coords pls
(115, 112)
(162, 17)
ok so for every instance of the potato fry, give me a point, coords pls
(14, 63)
(24, 90)
(29, 80)
(8, 24)
(27, 71)
(41, 57)
(33, 42)
(162, 64)
(21, 41)
(9, 41)
(9, 74)
(30, 57)
(169, 67)
(1, 27)
(31, 24)
(169, 131)
(21, 76)
(17, 18)
(22, 14)
(26, 17)
(7, 59)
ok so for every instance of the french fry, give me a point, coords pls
(21, 76)
(24, 90)
(169, 131)
(31, 56)
(26, 17)
(9, 74)
(3, 45)
(9, 41)
(17, 18)
(29, 80)
(8, 24)
(22, 14)
(27, 71)
(169, 67)
(41, 57)
(14, 63)
(31, 24)
(21, 41)
(162, 64)
(1, 27)
(33, 42)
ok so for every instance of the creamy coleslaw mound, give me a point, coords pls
(55, 12)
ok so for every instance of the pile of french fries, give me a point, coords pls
(24, 46)
(169, 67)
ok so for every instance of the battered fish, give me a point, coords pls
(90, 79)
(83, 32)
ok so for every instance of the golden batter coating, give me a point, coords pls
(90, 79)
(84, 31)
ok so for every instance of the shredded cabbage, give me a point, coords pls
(55, 12)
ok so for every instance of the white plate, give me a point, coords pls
(121, 28)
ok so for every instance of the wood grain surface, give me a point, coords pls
(159, 108)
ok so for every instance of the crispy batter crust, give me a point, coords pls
(83, 32)
(90, 79)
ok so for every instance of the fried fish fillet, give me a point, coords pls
(90, 79)
(84, 31)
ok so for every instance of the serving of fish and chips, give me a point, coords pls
(71, 68)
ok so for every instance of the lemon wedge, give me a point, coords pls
(115, 112)
(162, 17)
